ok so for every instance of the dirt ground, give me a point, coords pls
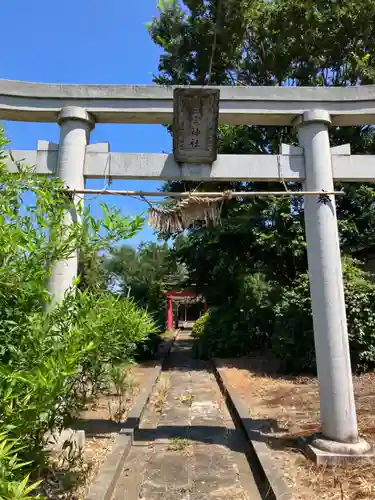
(101, 429)
(289, 408)
(70, 479)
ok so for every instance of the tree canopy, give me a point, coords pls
(254, 42)
(284, 42)
(145, 274)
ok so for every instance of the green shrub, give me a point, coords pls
(278, 320)
(14, 482)
(222, 334)
(63, 359)
(50, 363)
(240, 327)
(199, 326)
(293, 338)
(360, 311)
(198, 332)
(148, 348)
(115, 326)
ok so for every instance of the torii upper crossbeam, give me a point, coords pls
(42, 102)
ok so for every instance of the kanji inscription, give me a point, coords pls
(195, 123)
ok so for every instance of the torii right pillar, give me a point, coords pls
(339, 439)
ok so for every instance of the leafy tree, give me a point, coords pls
(92, 271)
(284, 42)
(252, 42)
(145, 274)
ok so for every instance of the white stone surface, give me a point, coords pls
(27, 101)
(75, 127)
(337, 406)
(287, 166)
(70, 441)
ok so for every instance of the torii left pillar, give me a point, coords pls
(75, 127)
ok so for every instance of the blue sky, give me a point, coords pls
(85, 41)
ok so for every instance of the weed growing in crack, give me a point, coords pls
(186, 399)
(178, 444)
(124, 387)
(161, 394)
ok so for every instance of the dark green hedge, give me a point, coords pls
(278, 320)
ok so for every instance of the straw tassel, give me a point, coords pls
(183, 214)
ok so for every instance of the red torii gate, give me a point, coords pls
(173, 294)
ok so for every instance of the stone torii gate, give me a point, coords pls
(77, 108)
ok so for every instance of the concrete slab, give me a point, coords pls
(192, 453)
(331, 459)
(272, 477)
(112, 468)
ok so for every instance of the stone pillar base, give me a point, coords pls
(331, 453)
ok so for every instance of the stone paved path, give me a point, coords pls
(187, 447)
